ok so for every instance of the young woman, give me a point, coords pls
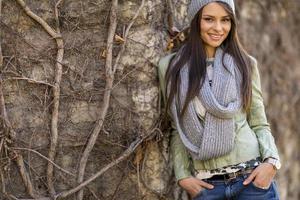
(221, 142)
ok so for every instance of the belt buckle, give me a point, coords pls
(231, 176)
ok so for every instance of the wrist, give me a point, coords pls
(183, 180)
(274, 162)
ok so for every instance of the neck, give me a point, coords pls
(210, 51)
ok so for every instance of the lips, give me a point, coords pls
(215, 37)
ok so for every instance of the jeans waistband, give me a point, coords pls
(230, 176)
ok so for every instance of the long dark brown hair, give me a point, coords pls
(193, 52)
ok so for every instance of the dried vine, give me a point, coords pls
(133, 146)
(41, 155)
(110, 72)
(1, 56)
(109, 77)
(9, 135)
(56, 96)
(25, 176)
(56, 90)
(105, 104)
(6, 141)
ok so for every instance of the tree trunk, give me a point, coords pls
(80, 108)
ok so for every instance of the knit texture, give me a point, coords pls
(215, 136)
(196, 5)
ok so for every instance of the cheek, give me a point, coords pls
(227, 29)
(205, 27)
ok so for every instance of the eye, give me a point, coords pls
(226, 20)
(208, 19)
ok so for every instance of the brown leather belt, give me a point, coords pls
(230, 176)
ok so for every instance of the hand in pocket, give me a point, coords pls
(194, 186)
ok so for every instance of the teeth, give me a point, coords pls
(215, 36)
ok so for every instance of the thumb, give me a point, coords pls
(250, 178)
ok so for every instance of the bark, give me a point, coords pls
(79, 94)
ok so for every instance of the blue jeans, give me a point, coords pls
(235, 190)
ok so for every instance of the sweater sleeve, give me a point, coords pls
(257, 118)
(180, 157)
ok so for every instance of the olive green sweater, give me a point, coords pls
(253, 136)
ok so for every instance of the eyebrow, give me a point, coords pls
(226, 16)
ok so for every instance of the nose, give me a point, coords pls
(218, 26)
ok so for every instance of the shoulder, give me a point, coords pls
(163, 63)
(254, 65)
(252, 60)
(255, 75)
(166, 58)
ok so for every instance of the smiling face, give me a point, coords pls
(215, 26)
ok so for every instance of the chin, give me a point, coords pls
(215, 44)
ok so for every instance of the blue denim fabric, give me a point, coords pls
(235, 190)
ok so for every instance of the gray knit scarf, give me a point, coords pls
(214, 136)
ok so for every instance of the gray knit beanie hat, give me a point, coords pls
(196, 5)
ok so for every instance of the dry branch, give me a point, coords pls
(41, 155)
(124, 155)
(30, 80)
(110, 72)
(25, 176)
(42, 22)
(3, 188)
(132, 147)
(71, 183)
(40, 198)
(106, 99)
(10, 196)
(11, 135)
(170, 14)
(1, 56)
(56, 97)
(56, 90)
(2, 102)
(126, 34)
